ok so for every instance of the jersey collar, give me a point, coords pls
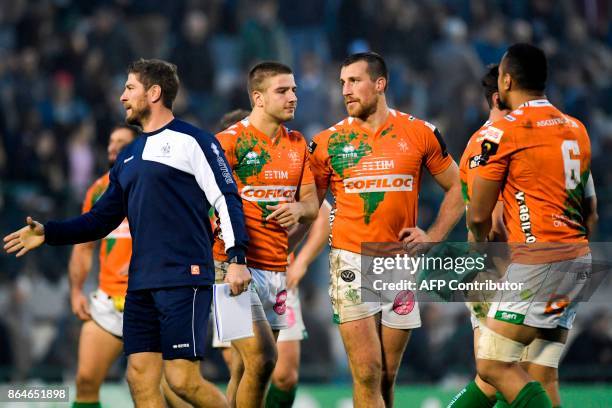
(535, 103)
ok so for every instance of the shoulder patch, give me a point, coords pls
(493, 134)
(312, 146)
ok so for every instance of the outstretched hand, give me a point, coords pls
(29, 237)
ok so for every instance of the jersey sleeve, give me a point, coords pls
(106, 214)
(228, 144)
(319, 161)
(436, 157)
(88, 201)
(214, 176)
(497, 148)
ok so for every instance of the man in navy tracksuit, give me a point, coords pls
(165, 183)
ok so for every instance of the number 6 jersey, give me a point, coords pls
(543, 159)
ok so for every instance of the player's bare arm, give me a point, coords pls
(449, 214)
(479, 215)
(78, 269)
(25, 239)
(317, 239)
(303, 211)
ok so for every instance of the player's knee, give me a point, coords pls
(261, 364)
(492, 371)
(87, 383)
(181, 382)
(285, 378)
(368, 374)
(138, 377)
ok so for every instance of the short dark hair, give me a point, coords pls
(376, 64)
(232, 117)
(489, 83)
(527, 66)
(135, 130)
(260, 72)
(157, 72)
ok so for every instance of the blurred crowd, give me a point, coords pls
(62, 69)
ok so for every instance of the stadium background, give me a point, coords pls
(62, 69)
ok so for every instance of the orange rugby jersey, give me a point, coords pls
(267, 173)
(116, 248)
(543, 158)
(469, 162)
(375, 177)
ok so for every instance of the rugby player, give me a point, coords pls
(271, 166)
(100, 340)
(542, 158)
(164, 182)
(372, 162)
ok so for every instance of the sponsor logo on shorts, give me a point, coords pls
(370, 184)
(180, 346)
(509, 317)
(268, 193)
(403, 302)
(195, 269)
(347, 276)
(280, 306)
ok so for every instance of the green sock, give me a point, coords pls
(532, 396)
(471, 397)
(278, 398)
(501, 400)
(96, 404)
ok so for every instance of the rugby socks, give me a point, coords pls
(471, 397)
(278, 398)
(76, 404)
(501, 400)
(532, 395)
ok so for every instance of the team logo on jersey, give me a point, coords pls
(294, 156)
(370, 184)
(348, 152)
(165, 150)
(403, 146)
(195, 269)
(311, 147)
(347, 276)
(268, 193)
(252, 158)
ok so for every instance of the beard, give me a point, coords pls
(363, 111)
(138, 116)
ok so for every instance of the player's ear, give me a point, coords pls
(154, 93)
(381, 84)
(507, 81)
(258, 99)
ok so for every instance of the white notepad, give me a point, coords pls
(232, 313)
